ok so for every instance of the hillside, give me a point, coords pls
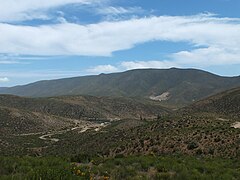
(194, 132)
(27, 123)
(173, 86)
(203, 129)
(86, 107)
(226, 103)
(15, 121)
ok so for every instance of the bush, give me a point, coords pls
(82, 158)
(192, 145)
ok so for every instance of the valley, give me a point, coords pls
(119, 90)
(89, 133)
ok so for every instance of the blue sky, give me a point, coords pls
(44, 39)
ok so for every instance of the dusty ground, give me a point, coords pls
(236, 125)
(162, 97)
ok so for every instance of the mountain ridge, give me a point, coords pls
(184, 86)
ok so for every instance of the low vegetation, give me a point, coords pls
(131, 167)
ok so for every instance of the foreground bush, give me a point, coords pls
(132, 167)
(34, 168)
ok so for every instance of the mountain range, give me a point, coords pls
(171, 86)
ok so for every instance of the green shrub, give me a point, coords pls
(192, 145)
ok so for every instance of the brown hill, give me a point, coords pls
(86, 107)
(15, 121)
(226, 103)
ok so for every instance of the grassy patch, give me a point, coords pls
(131, 167)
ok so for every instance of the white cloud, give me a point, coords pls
(4, 79)
(203, 57)
(200, 58)
(15, 10)
(103, 69)
(16, 59)
(9, 62)
(48, 73)
(119, 10)
(219, 36)
(127, 65)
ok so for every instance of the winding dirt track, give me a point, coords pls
(96, 127)
(47, 136)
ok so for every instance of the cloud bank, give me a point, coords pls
(215, 40)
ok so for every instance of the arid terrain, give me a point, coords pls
(88, 134)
